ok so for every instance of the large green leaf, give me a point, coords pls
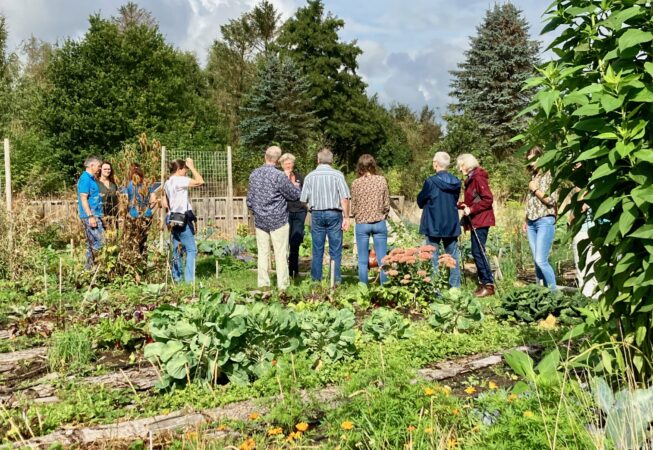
(643, 232)
(177, 367)
(521, 363)
(633, 37)
(547, 99)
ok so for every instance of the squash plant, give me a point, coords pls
(593, 116)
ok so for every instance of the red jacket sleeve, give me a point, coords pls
(484, 199)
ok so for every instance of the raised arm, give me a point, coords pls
(197, 179)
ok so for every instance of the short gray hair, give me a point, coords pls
(468, 160)
(287, 157)
(325, 156)
(272, 154)
(442, 159)
(92, 159)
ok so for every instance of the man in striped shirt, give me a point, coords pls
(327, 195)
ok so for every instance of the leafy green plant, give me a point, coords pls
(386, 324)
(70, 349)
(533, 303)
(119, 332)
(327, 333)
(212, 337)
(456, 310)
(544, 375)
(629, 413)
(592, 117)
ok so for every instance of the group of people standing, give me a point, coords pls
(98, 199)
(280, 200)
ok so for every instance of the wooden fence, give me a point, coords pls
(211, 212)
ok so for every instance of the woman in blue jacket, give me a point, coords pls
(440, 223)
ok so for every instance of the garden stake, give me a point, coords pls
(60, 279)
(332, 273)
(217, 269)
(45, 280)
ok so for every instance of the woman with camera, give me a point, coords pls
(180, 216)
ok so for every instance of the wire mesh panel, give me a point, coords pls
(213, 167)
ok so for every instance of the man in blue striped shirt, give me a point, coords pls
(327, 194)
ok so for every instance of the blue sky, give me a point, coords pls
(409, 46)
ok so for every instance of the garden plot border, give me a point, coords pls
(238, 411)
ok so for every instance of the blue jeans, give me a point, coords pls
(94, 240)
(184, 237)
(480, 256)
(540, 239)
(378, 231)
(451, 247)
(326, 224)
(296, 221)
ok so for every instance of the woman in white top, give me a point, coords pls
(180, 216)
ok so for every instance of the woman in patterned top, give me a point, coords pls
(541, 211)
(370, 204)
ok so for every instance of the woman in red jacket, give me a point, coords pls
(479, 216)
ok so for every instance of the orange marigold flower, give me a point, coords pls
(294, 435)
(249, 444)
(347, 425)
(275, 431)
(492, 385)
(422, 273)
(512, 397)
(222, 428)
(452, 443)
(254, 416)
(427, 248)
(470, 390)
(302, 426)
(427, 279)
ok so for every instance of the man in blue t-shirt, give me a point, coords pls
(89, 202)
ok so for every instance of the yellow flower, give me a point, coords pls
(274, 431)
(455, 412)
(428, 391)
(254, 416)
(249, 444)
(222, 427)
(528, 414)
(294, 435)
(512, 397)
(446, 390)
(302, 426)
(347, 425)
(470, 390)
(492, 385)
(428, 430)
(452, 443)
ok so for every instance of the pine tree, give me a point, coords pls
(278, 109)
(311, 39)
(488, 84)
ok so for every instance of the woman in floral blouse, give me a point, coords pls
(541, 211)
(370, 204)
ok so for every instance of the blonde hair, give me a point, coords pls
(287, 157)
(468, 160)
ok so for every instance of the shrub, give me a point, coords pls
(533, 303)
(456, 311)
(386, 324)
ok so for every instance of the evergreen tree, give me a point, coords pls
(488, 84)
(278, 109)
(311, 39)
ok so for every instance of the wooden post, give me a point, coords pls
(217, 269)
(162, 213)
(8, 195)
(230, 196)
